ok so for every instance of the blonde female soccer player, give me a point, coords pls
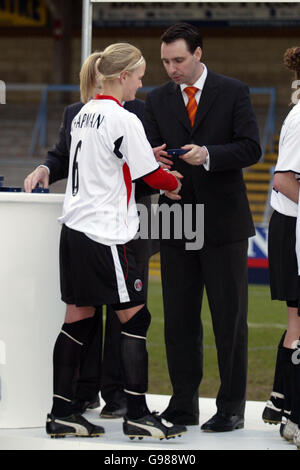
(109, 151)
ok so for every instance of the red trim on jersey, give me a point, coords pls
(258, 263)
(126, 275)
(161, 179)
(107, 97)
(127, 181)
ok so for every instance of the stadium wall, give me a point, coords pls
(256, 60)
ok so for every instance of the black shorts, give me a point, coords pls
(283, 267)
(93, 274)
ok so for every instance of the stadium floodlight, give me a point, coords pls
(2, 92)
(86, 34)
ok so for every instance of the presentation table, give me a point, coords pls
(31, 310)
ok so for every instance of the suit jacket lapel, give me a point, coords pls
(208, 96)
(177, 105)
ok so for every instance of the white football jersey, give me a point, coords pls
(288, 160)
(109, 151)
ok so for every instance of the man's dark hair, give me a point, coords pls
(188, 32)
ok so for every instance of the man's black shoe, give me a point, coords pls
(73, 425)
(223, 422)
(181, 418)
(113, 411)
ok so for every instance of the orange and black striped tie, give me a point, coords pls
(191, 107)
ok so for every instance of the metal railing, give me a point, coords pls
(39, 133)
(269, 128)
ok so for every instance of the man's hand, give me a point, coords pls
(174, 194)
(196, 155)
(39, 175)
(160, 155)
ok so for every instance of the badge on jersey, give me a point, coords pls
(138, 285)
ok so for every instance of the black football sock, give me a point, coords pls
(134, 358)
(287, 366)
(66, 363)
(277, 395)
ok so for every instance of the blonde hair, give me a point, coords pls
(107, 65)
(117, 58)
(88, 77)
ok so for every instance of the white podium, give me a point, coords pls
(31, 312)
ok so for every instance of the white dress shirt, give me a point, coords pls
(198, 84)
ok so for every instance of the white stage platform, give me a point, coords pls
(255, 436)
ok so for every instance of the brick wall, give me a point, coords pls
(257, 61)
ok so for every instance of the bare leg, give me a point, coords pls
(293, 330)
(126, 315)
(74, 313)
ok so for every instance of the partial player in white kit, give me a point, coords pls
(283, 405)
(109, 152)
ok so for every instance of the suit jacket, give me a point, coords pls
(225, 123)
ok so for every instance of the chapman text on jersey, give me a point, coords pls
(93, 120)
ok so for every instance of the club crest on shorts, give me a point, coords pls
(138, 285)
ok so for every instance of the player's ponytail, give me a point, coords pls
(89, 77)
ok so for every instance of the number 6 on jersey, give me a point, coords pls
(75, 175)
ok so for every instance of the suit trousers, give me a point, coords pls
(223, 271)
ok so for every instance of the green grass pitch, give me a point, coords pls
(267, 322)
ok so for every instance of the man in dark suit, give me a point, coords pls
(97, 373)
(214, 122)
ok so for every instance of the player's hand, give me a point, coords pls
(196, 155)
(174, 194)
(39, 175)
(161, 156)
